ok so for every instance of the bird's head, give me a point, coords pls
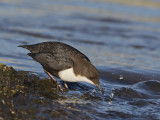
(94, 78)
(85, 68)
(96, 82)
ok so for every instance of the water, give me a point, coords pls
(120, 37)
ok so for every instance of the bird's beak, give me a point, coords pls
(99, 86)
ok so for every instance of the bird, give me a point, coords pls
(64, 62)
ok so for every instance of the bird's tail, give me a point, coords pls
(28, 47)
(23, 46)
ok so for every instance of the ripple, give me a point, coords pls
(150, 86)
(141, 103)
(118, 115)
(129, 94)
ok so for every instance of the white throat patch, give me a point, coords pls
(68, 75)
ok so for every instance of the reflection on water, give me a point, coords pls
(120, 37)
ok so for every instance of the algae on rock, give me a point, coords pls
(21, 93)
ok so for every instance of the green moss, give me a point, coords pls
(1, 65)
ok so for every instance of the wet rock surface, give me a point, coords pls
(22, 94)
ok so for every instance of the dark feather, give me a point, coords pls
(54, 47)
(52, 61)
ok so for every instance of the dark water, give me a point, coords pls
(122, 38)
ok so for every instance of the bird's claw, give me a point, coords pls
(62, 89)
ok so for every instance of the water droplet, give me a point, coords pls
(110, 102)
(121, 77)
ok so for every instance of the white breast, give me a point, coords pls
(69, 75)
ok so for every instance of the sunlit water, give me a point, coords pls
(122, 39)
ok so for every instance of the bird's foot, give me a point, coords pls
(66, 86)
(58, 85)
(62, 89)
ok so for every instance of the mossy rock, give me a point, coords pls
(1, 65)
(21, 92)
(12, 81)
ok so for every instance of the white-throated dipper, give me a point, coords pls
(64, 62)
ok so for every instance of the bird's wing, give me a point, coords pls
(52, 60)
(52, 47)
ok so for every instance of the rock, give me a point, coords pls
(21, 93)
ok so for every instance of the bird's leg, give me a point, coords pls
(51, 76)
(65, 85)
(59, 86)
